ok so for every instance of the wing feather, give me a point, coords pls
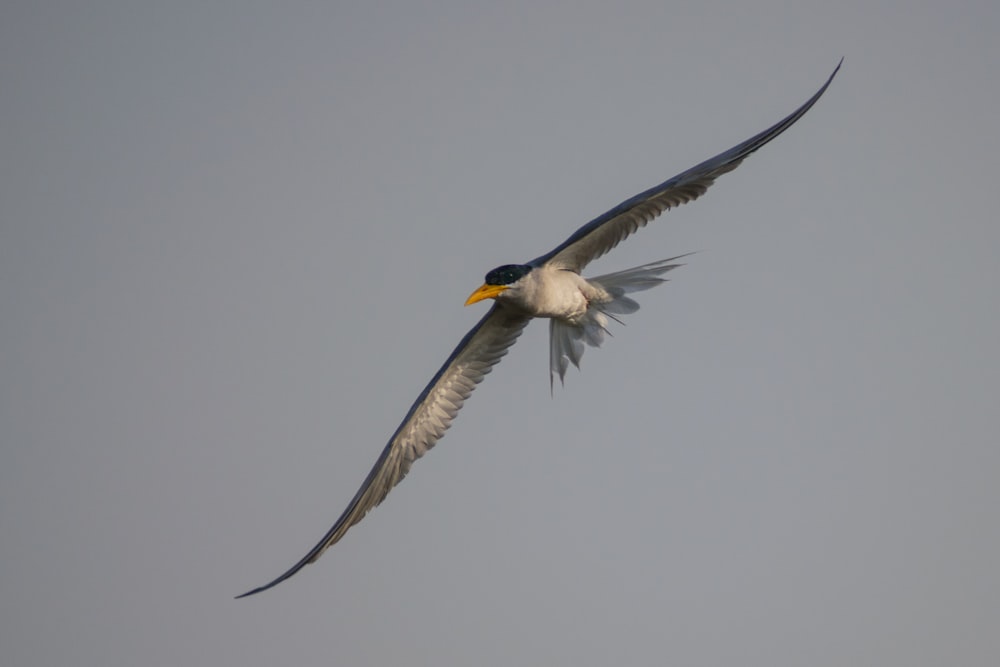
(608, 230)
(426, 422)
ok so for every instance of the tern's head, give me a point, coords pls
(499, 280)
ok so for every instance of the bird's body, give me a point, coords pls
(549, 286)
(553, 293)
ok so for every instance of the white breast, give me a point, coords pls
(556, 293)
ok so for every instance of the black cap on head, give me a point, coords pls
(507, 274)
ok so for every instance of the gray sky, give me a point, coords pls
(235, 242)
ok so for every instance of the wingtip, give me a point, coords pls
(837, 68)
(259, 589)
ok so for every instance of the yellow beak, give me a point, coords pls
(485, 292)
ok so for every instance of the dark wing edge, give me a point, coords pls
(425, 423)
(606, 231)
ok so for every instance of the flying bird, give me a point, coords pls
(549, 286)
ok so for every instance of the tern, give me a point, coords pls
(549, 286)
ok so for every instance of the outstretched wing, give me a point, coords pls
(606, 231)
(425, 423)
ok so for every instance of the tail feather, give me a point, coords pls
(638, 278)
(565, 347)
(567, 341)
(621, 305)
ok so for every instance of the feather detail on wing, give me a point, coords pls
(606, 231)
(426, 422)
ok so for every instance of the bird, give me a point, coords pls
(550, 286)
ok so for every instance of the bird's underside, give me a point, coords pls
(548, 286)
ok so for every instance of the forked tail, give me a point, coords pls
(567, 341)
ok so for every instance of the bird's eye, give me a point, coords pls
(507, 274)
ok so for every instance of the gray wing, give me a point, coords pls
(606, 231)
(425, 423)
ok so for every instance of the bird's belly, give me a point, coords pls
(561, 295)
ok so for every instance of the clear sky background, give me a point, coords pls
(234, 246)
